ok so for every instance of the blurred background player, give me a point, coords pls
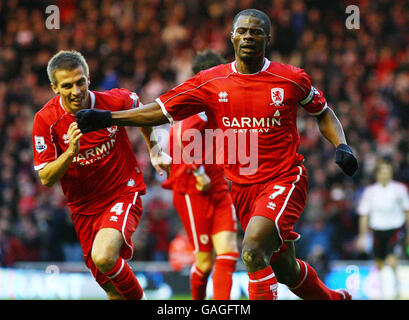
(384, 210)
(102, 191)
(202, 199)
(270, 197)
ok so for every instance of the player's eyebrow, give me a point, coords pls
(69, 83)
(248, 28)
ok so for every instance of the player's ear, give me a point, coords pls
(54, 88)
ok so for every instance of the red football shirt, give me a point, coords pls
(257, 114)
(105, 164)
(188, 151)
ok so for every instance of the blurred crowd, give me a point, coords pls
(147, 46)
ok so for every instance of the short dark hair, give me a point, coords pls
(206, 59)
(66, 60)
(257, 14)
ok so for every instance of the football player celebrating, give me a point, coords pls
(254, 99)
(102, 191)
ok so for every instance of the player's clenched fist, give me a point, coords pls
(91, 120)
(74, 135)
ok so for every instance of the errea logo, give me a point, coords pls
(223, 96)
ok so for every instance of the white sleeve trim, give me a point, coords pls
(203, 116)
(318, 113)
(40, 166)
(308, 98)
(165, 112)
(363, 208)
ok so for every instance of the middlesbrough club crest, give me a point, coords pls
(277, 96)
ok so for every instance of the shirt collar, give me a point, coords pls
(264, 68)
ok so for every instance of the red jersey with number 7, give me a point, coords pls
(256, 114)
(105, 166)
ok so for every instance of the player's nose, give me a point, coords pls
(248, 34)
(76, 90)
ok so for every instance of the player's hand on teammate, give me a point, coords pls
(74, 135)
(203, 182)
(345, 158)
(161, 161)
(91, 119)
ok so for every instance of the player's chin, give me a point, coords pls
(245, 56)
(76, 107)
(249, 54)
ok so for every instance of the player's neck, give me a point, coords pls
(249, 67)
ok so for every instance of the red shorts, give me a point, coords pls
(124, 215)
(204, 215)
(281, 200)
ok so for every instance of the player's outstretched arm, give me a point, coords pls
(146, 116)
(331, 128)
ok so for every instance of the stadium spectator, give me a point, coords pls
(158, 229)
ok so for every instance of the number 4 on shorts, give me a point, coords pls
(279, 191)
(117, 208)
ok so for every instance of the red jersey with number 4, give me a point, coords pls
(188, 150)
(105, 166)
(257, 114)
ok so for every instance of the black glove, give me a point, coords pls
(344, 157)
(92, 120)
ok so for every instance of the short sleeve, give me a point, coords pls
(311, 99)
(44, 148)
(183, 101)
(364, 203)
(405, 198)
(131, 99)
